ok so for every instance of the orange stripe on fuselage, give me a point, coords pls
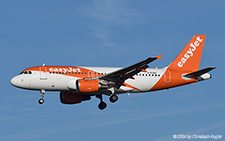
(175, 79)
(127, 85)
(67, 70)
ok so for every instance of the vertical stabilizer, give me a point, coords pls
(190, 57)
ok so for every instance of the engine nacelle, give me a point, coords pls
(72, 85)
(67, 97)
(87, 85)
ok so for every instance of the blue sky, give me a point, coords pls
(110, 33)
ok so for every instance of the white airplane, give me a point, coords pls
(77, 84)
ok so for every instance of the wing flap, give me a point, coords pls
(121, 75)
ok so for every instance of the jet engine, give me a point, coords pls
(67, 97)
(87, 85)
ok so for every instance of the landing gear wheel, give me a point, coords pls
(41, 101)
(102, 105)
(113, 98)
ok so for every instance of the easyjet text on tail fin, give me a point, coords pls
(190, 57)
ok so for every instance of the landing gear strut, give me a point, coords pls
(41, 101)
(113, 98)
(102, 105)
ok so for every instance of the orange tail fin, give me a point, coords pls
(190, 57)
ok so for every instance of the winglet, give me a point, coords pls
(159, 57)
(140, 69)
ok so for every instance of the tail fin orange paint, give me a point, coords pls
(186, 62)
(190, 57)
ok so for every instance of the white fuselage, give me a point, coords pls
(39, 80)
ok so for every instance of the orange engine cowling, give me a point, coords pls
(87, 86)
(67, 97)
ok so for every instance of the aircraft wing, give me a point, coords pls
(123, 74)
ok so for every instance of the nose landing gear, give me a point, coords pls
(41, 101)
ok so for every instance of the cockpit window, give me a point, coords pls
(26, 72)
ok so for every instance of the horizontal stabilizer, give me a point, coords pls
(199, 73)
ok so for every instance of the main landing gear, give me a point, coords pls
(41, 101)
(113, 98)
(102, 105)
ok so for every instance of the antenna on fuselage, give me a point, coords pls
(43, 64)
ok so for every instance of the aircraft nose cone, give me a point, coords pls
(15, 81)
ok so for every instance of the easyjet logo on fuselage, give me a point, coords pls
(190, 52)
(70, 69)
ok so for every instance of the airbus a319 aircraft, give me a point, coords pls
(77, 84)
